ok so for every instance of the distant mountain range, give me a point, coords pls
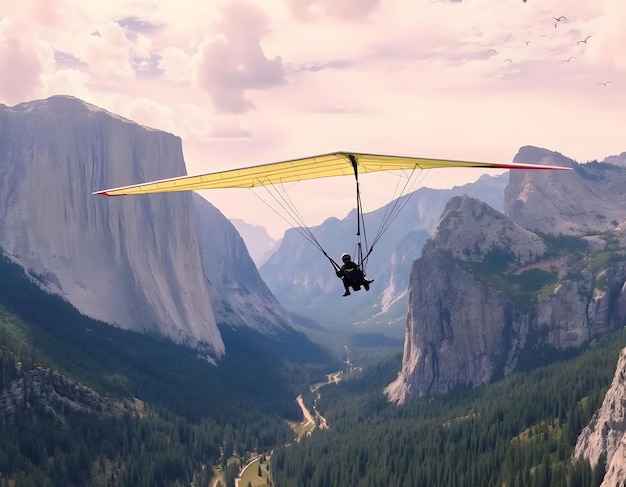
(305, 283)
(259, 243)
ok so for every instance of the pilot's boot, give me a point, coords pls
(367, 283)
(347, 293)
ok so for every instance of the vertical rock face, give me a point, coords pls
(459, 330)
(606, 432)
(133, 262)
(467, 334)
(239, 295)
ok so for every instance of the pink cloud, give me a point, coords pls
(109, 53)
(234, 62)
(344, 10)
(20, 64)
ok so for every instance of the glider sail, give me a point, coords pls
(321, 166)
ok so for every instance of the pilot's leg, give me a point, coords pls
(346, 285)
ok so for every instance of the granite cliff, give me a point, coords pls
(131, 262)
(139, 263)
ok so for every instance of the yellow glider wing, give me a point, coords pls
(321, 166)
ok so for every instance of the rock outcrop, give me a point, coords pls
(51, 393)
(618, 160)
(484, 230)
(606, 434)
(165, 264)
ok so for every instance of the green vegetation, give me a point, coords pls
(255, 475)
(523, 289)
(558, 245)
(196, 414)
(518, 432)
(499, 268)
(603, 259)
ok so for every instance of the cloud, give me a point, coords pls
(176, 65)
(231, 129)
(233, 61)
(134, 25)
(317, 66)
(109, 54)
(21, 63)
(66, 60)
(342, 10)
(606, 48)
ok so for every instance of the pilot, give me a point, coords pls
(352, 275)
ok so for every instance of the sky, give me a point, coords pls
(258, 81)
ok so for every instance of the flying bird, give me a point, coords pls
(507, 59)
(585, 41)
(604, 83)
(562, 17)
(493, 50)
(568, 59)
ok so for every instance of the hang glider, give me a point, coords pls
(274, 175)
(321, 166)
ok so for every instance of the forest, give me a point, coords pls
(197, 415)
(519, 431)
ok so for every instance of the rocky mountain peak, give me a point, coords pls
(314, 291)
(469, 229)
(589, 199)
(618, 160)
